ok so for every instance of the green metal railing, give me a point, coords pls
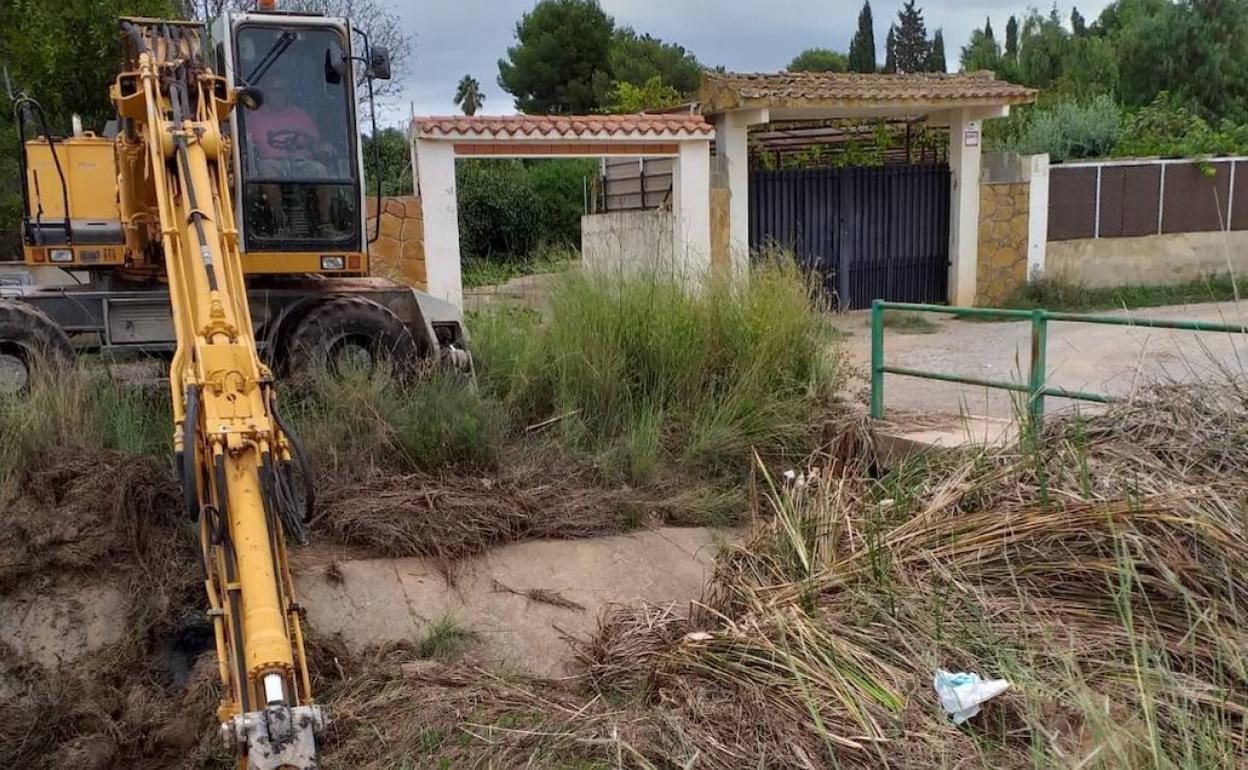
(1036, 387)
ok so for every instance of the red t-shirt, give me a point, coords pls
(267, 121)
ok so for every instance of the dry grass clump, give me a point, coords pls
(1104, 572)
(450, 516)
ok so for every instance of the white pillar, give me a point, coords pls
(1038, 214)
(691, 211)
(965, 140)
(732, 144)
(435, 184)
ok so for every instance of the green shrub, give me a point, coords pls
(500, 212)
(643, 374)
(1067, 130)
(1170, 128)
(560, 184)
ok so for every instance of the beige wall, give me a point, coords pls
(1003, 228)
(627, 241)
(1151, 259)
(399, 252)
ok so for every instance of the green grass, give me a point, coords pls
(445, 640)
(647, 378)
(909, 323)
(1058, 294)
(479, 271)
(356, 423)
(81, 408)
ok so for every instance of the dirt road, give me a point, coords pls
(1107, 359)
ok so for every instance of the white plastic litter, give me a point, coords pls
(961, 694)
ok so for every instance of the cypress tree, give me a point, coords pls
(862, 47)
(890, 50)
(1011, 39)
(911, 49)
(936, 63)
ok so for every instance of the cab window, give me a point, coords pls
(300, 185)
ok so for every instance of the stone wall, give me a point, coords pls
(721, 230)
(1004, 213)
(399, 252)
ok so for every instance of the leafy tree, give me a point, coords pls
(1077, 23)
(1197, 51)
(64, 54)
(468, 96)
(890, 50)
(982, 52)
(394, 165)
(654, 95)
(1011, 39)
(862, 46)
(636, 59)
(1042, 49)
(818, 60)
(937, 60)
(911, 48)
(561, 58)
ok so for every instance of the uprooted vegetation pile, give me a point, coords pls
(1102, 569)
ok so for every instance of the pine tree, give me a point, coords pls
(910, 43)
(890, 50)
(1011, 39)
(988, 30)
(1077, 23)
(862, 47)
(936, 63)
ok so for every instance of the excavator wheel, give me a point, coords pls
(350, 334)
(29, 342)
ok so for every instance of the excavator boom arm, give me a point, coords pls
(231, 443)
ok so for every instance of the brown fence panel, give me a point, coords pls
(1072, 203)
(1141, 195)
(1193, 201)
(1239, 203)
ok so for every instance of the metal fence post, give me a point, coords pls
(1036, 381)
(877, 359)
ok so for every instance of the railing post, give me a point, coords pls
(1037, 379)
(877, 359)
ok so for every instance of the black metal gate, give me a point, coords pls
(871, 233)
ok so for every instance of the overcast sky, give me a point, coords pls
(457, 37)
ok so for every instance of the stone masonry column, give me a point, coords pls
(731, 144)
(435, 184)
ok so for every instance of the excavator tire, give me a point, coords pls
(29, 342)
(347, 332)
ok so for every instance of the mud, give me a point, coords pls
(106, 656)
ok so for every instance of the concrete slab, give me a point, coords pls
(375, 601)
(900, 438)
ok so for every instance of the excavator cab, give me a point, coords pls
(299, 165)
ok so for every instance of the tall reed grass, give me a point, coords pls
(644, 374)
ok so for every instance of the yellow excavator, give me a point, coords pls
(220, 218)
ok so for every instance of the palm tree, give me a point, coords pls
(468, 95)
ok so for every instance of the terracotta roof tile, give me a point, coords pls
(793, 88)
(563, 126)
